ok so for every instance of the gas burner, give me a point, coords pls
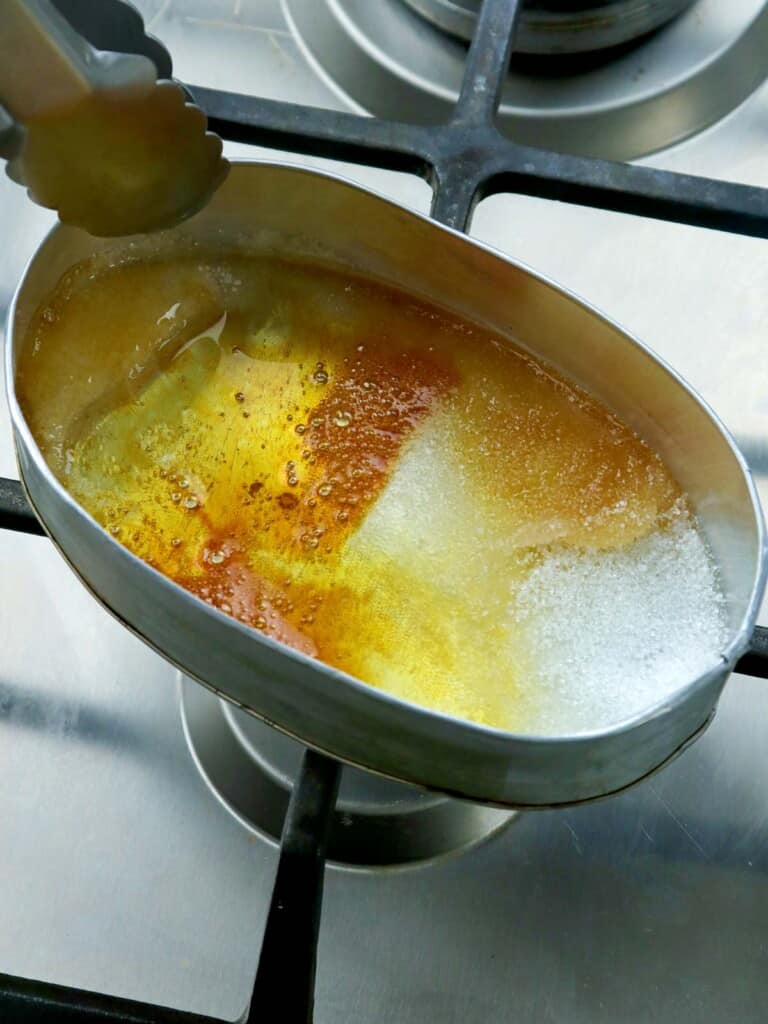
(561, 26)
(377, 823)
(391, 61)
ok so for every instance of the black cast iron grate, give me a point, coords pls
(464, 159)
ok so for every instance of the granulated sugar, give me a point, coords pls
(613, 632)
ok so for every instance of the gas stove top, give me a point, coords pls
(390, 58)
(135, 860)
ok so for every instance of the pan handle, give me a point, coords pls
(284, 990)
(15, 513)
(755, 661)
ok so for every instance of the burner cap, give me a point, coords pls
(377, 823)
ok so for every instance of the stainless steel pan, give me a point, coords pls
(297, 210)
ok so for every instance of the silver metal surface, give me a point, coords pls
(287, 209)
(377, 823)
(558, 28)
(120, 872)
(387, 59)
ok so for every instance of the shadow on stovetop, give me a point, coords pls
(47, 712)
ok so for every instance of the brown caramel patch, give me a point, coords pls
(354, 435)
(225, 580)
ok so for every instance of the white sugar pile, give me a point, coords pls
(611, 633)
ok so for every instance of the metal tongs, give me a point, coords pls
(93, 134)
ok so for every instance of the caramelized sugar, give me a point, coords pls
(119, 164)
(348, 470)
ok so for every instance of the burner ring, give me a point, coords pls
(249, 766)
(558, 27)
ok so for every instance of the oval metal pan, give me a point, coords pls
(298, 210)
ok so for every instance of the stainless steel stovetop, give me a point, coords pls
(121, 872)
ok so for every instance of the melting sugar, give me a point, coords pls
(375, 483)
(610, 633)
